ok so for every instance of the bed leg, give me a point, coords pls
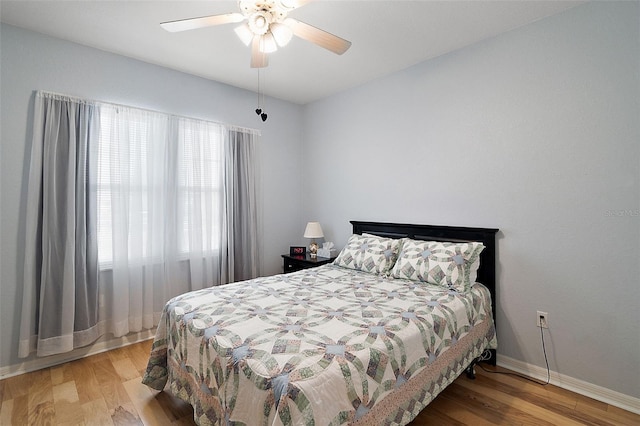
(470, 371)
(489, 355)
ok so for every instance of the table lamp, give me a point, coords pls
(313, 231)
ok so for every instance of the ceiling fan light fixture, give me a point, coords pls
(244, 34)
(281, 33)
(259, 22)
(268, 43)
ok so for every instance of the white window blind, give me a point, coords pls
(200, 184)
(159, 185)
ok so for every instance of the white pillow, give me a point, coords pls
(369, 253)
(449, 265)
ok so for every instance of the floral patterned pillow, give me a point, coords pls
(449, 265)
(369, 253)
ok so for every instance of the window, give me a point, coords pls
(159, 183)
(200, 185)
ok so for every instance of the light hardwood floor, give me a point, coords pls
(105, 389)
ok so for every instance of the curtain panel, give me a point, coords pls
(61, 266)
(243, 206)
(127, 208)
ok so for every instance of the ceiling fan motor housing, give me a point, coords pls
(261, 14)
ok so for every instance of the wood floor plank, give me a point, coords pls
(20, 410)
(2, 391)
(525, 402)
(105, 372)
(40, 402)
(125, 415)
(559, 395)
(614, 416)
(42, 414)
(64, 372)
(115, 396)
(143, 399)
(66, 402)
(126, 369)
(6, 411)
(96, 413)
(544, 407)
(437, 417)
(139, 355)
(113, 392)
(450, 411)
(118, 354)
(87, 384)
(66, 392)
(619, 412)
(100, 358)
(498, 408)
(40, 389)
(16, 386)
(107, 389)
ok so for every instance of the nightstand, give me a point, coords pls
(296, 263)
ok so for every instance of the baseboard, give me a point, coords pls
(581, 387)
(96, 348)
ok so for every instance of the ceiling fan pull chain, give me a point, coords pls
(260, 110)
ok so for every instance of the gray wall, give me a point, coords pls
(31, 61)
(535, 132)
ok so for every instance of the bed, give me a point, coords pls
(369, 339)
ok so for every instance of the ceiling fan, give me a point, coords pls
(267, 26)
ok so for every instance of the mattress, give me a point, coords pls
(325, 346)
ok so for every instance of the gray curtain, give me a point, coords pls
(60, 297)
(242, 203)
(61, 293)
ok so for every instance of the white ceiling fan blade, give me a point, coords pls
(204, 21)
(258, 58)
(317, 36)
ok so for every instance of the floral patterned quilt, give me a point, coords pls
(323, 346)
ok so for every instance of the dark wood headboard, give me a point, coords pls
(487, 236)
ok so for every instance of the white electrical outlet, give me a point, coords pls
(542, 319)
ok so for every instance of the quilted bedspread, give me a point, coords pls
(323, 346)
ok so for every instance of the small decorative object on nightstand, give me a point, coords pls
(296, 263)
(313, 231)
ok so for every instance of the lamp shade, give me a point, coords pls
(313, 230)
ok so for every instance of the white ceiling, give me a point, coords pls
(387, 36)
